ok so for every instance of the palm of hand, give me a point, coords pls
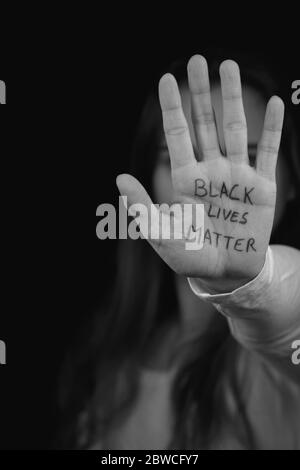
(239, 201)
(238, 215)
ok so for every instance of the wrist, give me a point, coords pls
(227, 284)
(222, 286)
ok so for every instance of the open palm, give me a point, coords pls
(239, 200)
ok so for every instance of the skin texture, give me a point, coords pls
(254, 110)
(182, 159)
(233, 183)
(192, 323)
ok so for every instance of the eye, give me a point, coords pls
(252, 150)
(252, 159)
(164, 158)
(167, 163)
(197, 154)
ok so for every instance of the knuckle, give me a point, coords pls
(179, 130)
(205, 119)
(236, 126)
(269, 149)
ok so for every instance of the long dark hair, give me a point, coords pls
(101, 382)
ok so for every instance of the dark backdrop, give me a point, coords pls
(74, 105)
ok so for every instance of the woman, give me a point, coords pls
(203, 363)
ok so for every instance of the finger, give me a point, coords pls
(175, 124)
(202, 111)
(268, 146)
(234, 120)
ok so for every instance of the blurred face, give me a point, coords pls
(255, 108)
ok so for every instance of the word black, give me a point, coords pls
(235, 192)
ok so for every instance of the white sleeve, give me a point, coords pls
(264, 314)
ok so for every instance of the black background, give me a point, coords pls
(74, 97)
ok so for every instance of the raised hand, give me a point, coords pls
(239, 200)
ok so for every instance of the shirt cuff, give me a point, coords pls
(247, 296)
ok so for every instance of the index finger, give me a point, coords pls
(175, 124)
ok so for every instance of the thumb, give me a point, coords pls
(133, 189)
(139, 202)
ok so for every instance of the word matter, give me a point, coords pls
(237, 244)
